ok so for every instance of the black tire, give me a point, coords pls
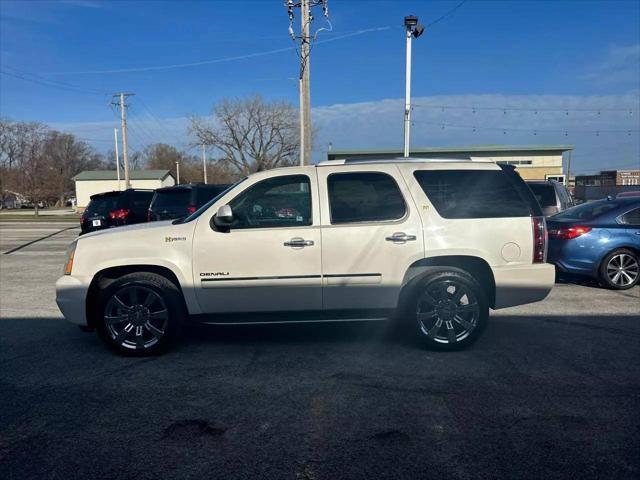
(471, 309)
(629, 260)
(159, 325)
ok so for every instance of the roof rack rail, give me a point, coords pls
(349, 161)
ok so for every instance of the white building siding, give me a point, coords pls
(86, 188)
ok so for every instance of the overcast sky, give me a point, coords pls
(536, 72)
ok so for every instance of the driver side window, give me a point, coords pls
(275, 202)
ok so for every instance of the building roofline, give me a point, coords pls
(463, 149)
(108, 175)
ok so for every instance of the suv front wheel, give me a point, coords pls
(139, 314)
(450, 310)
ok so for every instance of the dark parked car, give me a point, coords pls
(552, 196)
(112, 209)
(181, 200)
(600, 239)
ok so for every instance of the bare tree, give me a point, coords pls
(67, 158)
(35, 168)
(252, 134)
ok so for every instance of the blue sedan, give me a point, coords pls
(599, 239)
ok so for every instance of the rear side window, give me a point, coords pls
(544, 193)
(472, 193)
(631, 218)
(204, 194)
(172, 198)
(103, 204)
(140, 201)
(364, 197)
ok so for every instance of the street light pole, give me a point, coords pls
(413, 29)
(178, 172)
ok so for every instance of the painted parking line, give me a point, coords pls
(20, 247)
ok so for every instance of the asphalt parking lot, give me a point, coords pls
(551, 390)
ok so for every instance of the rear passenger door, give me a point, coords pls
(371, 233)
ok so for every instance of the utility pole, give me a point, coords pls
(178, 172)
(304, 83)
(305, 86)
(413, 29)
(123, 124)
(204, 163)
(115, 137)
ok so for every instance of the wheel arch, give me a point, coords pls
(475, 266)
(104, 277)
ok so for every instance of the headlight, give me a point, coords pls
(71, 251)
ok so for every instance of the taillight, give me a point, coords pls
(539, 239)
(119, 214)
(569, 233)
(191, 209)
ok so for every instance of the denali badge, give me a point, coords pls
(214, 274)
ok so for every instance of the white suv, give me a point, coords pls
(432, 243)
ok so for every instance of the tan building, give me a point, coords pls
(628, 177)
(91, 182)
(533, 162)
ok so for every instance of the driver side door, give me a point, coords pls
(269, 260)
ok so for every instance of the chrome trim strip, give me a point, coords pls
(283, 322)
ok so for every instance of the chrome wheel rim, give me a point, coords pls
(447, 312)
(623, 270)
(136, 317)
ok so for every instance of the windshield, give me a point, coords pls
(587, 211)
(180, 197)
(544, 193)
(103, 204)
(206, 206)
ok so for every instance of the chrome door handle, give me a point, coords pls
(638, 233)
(298, 242)
(401, 237)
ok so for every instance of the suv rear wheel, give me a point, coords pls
(450, 310)
(139, 314)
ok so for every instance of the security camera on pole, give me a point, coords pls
(413, 29)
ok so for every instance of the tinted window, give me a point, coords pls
(364, 197)
(103, 204)
(472, 193)
(631, 218)
(140, 201)
(204, 194)
(275, 202)
(544, 193)
(587, 211)
(172, 198)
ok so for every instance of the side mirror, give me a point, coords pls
(222, 220)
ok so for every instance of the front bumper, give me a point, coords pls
(523, 284)
(71, 296)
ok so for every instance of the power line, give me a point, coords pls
(217, 60)
(450, 12)
(45, 83)
(506, 109)
(535, 131)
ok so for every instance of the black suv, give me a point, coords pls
(181, 200)
(112, 209)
